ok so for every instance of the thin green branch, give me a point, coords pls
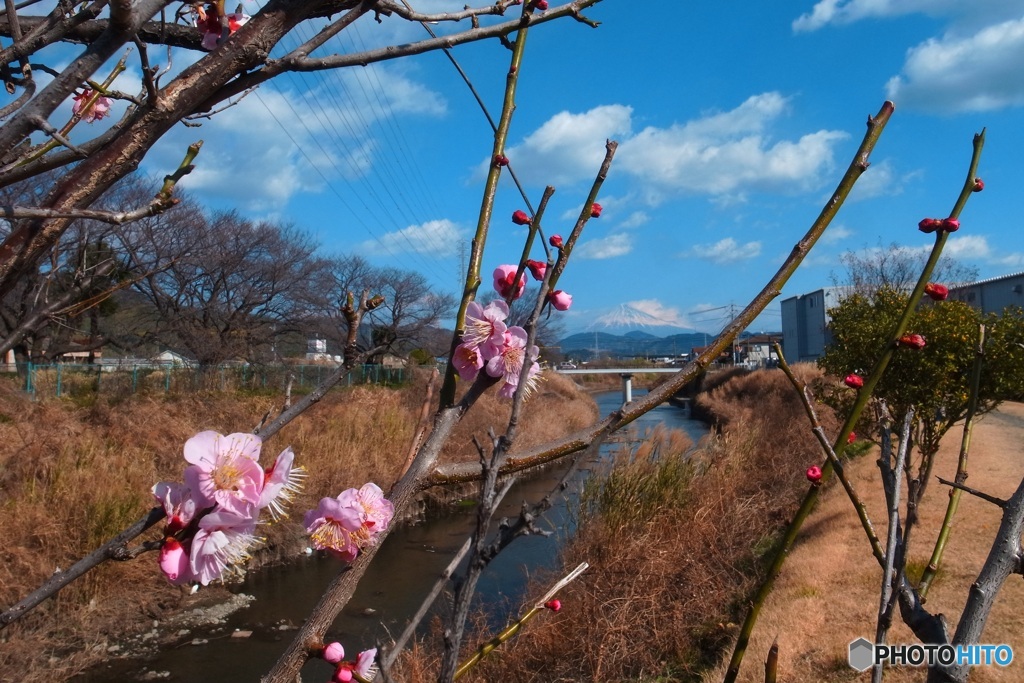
(472, 282)
(961, 471)
(862, 513)
(771, 663)
(512, 629)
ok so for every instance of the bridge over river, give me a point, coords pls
(625, 373)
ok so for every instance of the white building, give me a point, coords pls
(993, 295)
(805, 320)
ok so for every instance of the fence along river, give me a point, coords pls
(404, 570)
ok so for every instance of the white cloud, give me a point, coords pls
(976, 247)
(835, 233)
(605, 247)
(569, 147)
(976, 72)
(973, 66)
(726, 251)
(728, 153)
(635, 220)
(839, 12)
(436, 238)
(718, 154)
(879, 180)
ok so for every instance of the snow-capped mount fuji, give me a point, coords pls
(626, 318)
(627, 331)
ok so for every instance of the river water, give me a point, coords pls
(404, 570)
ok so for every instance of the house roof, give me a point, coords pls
(988, 281)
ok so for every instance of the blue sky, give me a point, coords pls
(735, 121)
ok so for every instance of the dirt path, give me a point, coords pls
(827, 594)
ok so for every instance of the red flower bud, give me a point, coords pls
(913, 341)
(852, 437)
(540, 4)
(537, 269)
(814, 474)
(555, 241)
(555, 604)
(979, 185)
(853, 380)
(928, 225)
(520, 218)
(949, 224)
(936, 292)
(500, 160)
(595, 210)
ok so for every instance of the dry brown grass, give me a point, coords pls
(73, 475)
(663, 585)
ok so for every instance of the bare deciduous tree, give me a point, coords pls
(895, 267)
(231, 289)
(406, 313)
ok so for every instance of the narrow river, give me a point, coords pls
(403, 571)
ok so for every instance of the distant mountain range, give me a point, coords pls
(586, 345)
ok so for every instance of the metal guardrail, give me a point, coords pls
(64, 379)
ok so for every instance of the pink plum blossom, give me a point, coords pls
(503, 277)
(223, 539)
(333, 653)
(560, 300)
(373, 511)
(485, 326)
(99, 108)
(174, 561)
(467, 360)
(224, 469)
(177, 502)
(332, 524)
(350, 522)
(508, 364)
(377, 510)
(282, 483)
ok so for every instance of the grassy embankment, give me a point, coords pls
(75, 472)
(677, 547)
(674, 546)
